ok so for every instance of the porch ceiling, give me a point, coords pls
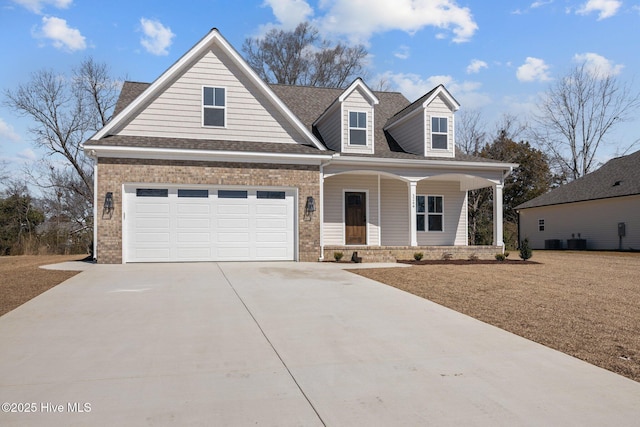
(467, 182)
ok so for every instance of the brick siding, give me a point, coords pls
(113, 173)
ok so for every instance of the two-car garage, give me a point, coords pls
(197, 223)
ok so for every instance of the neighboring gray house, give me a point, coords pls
(210, 163)
(600, 210)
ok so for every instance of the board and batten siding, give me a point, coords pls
(595, 220)
(356, 101)
(334, 188)
(177, 111)
(330, 128)
(439, 108)
(394, 212)
(410, 134)
(455, 214)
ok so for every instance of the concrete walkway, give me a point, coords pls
(280, 344)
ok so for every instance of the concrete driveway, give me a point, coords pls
(280, 344)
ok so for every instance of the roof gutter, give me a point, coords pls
(378, 161)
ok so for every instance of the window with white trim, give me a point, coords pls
(214, 102)
(357, 128)
(439, 133)
(429, 213)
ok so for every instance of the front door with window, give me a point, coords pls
(355, 217)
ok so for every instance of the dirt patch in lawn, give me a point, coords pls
(21, 278)
(585, 304)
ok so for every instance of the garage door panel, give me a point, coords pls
(276, 210)
(234, 209)
(213, 224)
(194, 237)
(152, 208)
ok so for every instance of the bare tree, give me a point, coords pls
(65, 110)
(577, 114)
(470, 131)
(300, 57)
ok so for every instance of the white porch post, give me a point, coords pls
(498, 239)
(412, 213)
(320, 206)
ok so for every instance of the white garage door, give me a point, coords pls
(208, 224)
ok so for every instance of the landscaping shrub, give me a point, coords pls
(418, 256)
(338, 256)
(525, 250)
(501, 257)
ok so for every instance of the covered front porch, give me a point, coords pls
(385, 213)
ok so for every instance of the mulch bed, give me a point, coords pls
(464, 262)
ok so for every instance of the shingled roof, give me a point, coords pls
(307, 103)
(616, 178)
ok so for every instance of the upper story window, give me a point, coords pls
(430, 213)
(213, 106)
(357, 128)
(439, 132)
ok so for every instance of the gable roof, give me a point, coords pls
(212, 38)
(422, 103)
(616, 178)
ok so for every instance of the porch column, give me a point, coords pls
(412, 213)
(498, 239)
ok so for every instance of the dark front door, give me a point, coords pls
(355, 218)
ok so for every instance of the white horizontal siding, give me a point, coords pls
(410, 134)
(454, 208)
(334, 188)
(439, 108)
(596, 221)
(356, 101)
(394, 212)
(330, 129)
(177, 111)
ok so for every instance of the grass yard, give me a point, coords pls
(586, 304)
(21, 278)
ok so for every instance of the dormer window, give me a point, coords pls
(357, 128)
(214, 106)
(439, 133)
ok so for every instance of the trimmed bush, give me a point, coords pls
(525, 250)
(501, 257)
(418, 256)
(338, 256)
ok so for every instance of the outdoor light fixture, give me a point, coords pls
(108, 202)
(311, 205)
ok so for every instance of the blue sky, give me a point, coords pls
(493, 56)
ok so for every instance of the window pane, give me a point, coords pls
(435, 204)
(208, 96)
(232, 194)
(435, 222)
(214, 117)
(271, 195)
(420, 204)
(420, 222)
(193, 193)
(357, 137)
(220, 97)
(353, 119)
(152, 192)
(362, 120)
(439, 141)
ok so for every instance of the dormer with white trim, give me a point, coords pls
(347, 126)
(426, 127)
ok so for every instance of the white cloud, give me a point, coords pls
(157, 38)
(403, 52)
(61, 35)
(475, 66)
(36, 6)
(27, 154)
(7, 132)
(359, 21)
(598, 65)
(534, 69)
(605, 8)
(290, 12)
(537, 4)
(412, 86)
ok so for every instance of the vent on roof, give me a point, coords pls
(617, 183)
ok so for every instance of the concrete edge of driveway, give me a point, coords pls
(83, 265)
